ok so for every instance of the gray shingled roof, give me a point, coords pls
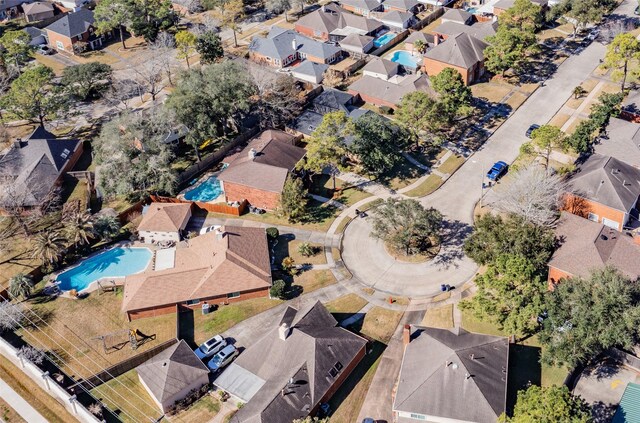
(461, 50)
(314, 347)
(623, 141)
(456, 15)
(280, 45)
(396, 17)
(608, 181)
(508, 4)
(38, 163)
(632, 102)
(419, 35)
(402, 4)
(356, 40)
(382, 67)
(433, 379)
(73, 24)
(479, 30)
(368, 5)
(333, 99)
(331, 17)
(171, 371)
(307, 67)
(587, 245)
(388, 91)
(37, 7)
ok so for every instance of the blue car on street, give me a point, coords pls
(497, 171)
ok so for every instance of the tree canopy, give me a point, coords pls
(588, 315)
(88, 80)
(293, 200)
(327, 145)
(623, 50)
(16, 46)
(280, 101)
(453, 95)
(552, 404)
(186, 45)
(377, 144)
(420, 113)
(543, 141)
(209, 46)
(406, 225)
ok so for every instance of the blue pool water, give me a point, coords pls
(384, 39)
(208, 190)
(117, 262)
(472, 10)
(406, 59)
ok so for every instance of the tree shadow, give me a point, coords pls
(452, 238)
(603, 413)
(186, 326)
(524, 370)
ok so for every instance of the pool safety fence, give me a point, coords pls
(223, 208)
(429, 18)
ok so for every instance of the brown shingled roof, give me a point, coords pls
(209, 266)
(587, 245)
(165, 217)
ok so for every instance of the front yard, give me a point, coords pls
(344, 193)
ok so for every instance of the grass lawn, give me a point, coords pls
(32, 393)
(314, 279)
(74, 325)
(344, 193)
(8, 414)
(548, 375)
(348, 399)
(402, 175)
(343, 224)
(429, 185)
(572, 127)
(227, 316)
(441, 317)
(202, 410)
(559, 119)
(451, 164)
(346, 305)
(516, 100)
(289, 248)
(48, 61)
(491, 91)
(126, 396)
(380, 323)
(320, 217)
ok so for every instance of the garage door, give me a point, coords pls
(611, 223)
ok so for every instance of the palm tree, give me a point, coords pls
(420, 45)
(48, 246)
(78, 228)
(106, 227)
(578, 92)
(20, 285)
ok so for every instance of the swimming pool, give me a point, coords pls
(406, 59)
(117, 262)
(472, 10)
(207, 190)
(384, 39)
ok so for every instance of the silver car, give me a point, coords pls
(211, 347)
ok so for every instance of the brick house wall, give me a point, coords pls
(35, 17)
(324, 36)
(555, 275)
(434, 67)
(60, 42)
(258, 198)
(373, 100)
(171, 308)
(582, 207)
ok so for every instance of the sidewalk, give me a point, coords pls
(18, 403)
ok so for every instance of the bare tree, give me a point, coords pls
(163, 48)
(534, 194)
(10, 316)
(122, 91)
(31, 354)
(613, 27)
(26, 204)
(149, 74)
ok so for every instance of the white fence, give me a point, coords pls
(44, 381)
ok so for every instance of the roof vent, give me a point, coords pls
(252, 153)
(467, 376)
(284, 331)
(472, 356)
(454, 366)
(603, 237)
(17, 143)
(447, 363)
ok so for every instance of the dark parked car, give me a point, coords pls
(497, 171)
(531, 129)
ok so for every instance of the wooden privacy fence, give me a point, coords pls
(429, 18)
(210, 207)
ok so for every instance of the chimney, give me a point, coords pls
(220, 233)
(294, 44)
(284, 331)
(17, 143)
(436, 40)
(406, 335)
(323, 8)
(252, 152)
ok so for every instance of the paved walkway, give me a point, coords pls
(586, 102)
(18, 403)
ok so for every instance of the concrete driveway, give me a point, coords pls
(456, 199)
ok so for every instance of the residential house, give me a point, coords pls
(386, 93)
(37, 165)
(357, 45)
(258, 173)
(411, 6)
(38, 36)
(309, 71)
(37, 11)
(479, 30)
(332, 23)
(396, 19)
(605, 190)
(227, 265)
(630, 109)
(451, 375)
(622, 141)
(628, 410)
(410, 41)
(458, 16)
(502, 6)
(329, 100)
(162, 222)
(461, 52)
(362, 7)
(172, 374)
(586, 246)
(283, 47)
(10, 9)
(381, 68)
(293, 368)
(74, 32)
